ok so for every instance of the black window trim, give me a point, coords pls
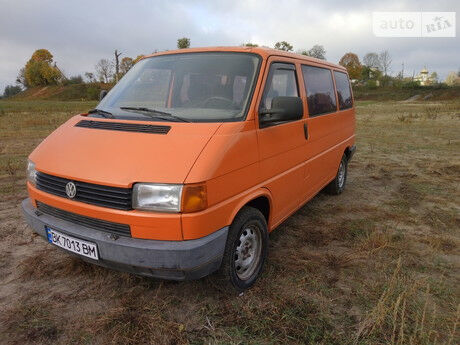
(349, 86)
(291, 66)
(337, 109)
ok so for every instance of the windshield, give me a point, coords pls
(196, 87)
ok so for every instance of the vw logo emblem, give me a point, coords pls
(70, 190)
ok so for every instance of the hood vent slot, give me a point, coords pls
(123, 126)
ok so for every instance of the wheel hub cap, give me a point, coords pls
(247, 252)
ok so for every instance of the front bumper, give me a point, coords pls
(176, 260)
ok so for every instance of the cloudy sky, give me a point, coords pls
(79, 33)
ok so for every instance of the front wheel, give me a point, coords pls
(337, 185)
(245, 250)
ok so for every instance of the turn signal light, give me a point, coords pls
(194, 198)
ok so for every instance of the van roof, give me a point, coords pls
(265, 52)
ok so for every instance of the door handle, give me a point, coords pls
(305, 130)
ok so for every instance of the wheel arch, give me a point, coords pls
(260, 199)
(349, 152)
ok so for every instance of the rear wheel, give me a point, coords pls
(245, 250)
(337, 185)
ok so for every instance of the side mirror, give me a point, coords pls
(102, 94)
(284, 108)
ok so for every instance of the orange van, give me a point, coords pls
(191, 160)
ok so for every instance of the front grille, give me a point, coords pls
(93, 223)
(124, 127)
(95, 194)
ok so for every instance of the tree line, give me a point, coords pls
(42, 70)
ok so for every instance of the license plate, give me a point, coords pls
(72, 244)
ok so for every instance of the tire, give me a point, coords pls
(337, 185)
(245, 250)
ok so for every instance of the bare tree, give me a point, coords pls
(385, 61)
(90, 77)
(104, 70)
(372, 60)
(117, 65)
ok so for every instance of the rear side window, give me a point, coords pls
(343, 90)
(281, 82)
(320, 90)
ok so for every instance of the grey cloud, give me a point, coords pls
(80, 33)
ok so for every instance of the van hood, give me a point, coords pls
(120, 158)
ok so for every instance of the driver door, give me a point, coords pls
(282, 145)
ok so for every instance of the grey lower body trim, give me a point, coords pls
(177, 260)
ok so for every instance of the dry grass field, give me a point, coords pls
(379, 264)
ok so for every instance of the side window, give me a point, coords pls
(281, 81)
(320, 90)
(343, 90)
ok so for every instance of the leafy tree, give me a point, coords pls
(125, 65)
(183, 43)
(253, 45)
(42, 55)
(138, 58)
(317, 51)
(351, 62)
(11, 90)
(434, 77)
(372, 61)
(40, 70)
(370, 73)
(104, 70)
(283, 45)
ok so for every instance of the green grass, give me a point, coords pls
(44, 107)
(427, 94)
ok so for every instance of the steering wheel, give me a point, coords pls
(215, 100)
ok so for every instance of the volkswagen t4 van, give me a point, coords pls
(191, 160)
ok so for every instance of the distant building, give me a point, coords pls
(424, 78)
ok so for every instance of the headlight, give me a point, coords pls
(157, 197)
(31, 172)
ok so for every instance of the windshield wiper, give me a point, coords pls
(104, 113)
(162, 115)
